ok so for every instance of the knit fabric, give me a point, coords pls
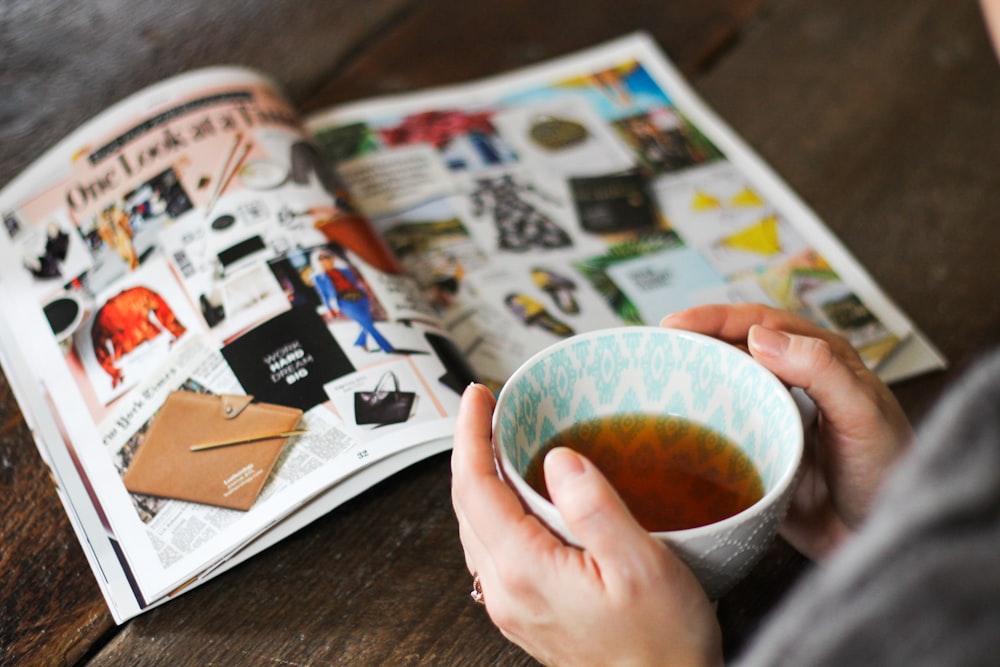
(920, 583)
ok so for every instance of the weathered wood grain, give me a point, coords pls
(51, 610)
(449, 41)
(881, 115)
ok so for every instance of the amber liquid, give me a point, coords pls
(672, 473)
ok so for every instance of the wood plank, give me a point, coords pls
(10, 415)
(51, 609)
(450, 41)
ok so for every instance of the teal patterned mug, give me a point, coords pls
(659, 371)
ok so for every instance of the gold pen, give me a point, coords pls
(246, 440)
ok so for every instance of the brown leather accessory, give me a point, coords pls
(227, 475)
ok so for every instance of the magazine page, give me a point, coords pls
(192, 240)
(591, 191)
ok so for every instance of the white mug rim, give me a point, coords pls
(551, 515)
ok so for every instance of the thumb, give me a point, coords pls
(593, 511)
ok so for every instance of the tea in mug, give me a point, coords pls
(671, 472)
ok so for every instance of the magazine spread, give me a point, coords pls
(593, 190)
(199, 242)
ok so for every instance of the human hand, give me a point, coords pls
(623, 598)
(861, 429)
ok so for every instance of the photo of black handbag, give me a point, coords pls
(383, 405)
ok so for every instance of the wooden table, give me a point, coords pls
(884, 116)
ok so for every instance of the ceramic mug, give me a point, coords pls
(660, 371)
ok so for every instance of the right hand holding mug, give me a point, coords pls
(861, 429)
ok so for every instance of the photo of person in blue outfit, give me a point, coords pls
(342, 291)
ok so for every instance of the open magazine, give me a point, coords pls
(360, 267)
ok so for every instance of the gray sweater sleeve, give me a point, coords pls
(920, 583)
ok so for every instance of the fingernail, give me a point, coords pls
(469, 393)
(561, 465)
(768, 341)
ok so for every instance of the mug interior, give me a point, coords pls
(650, 370)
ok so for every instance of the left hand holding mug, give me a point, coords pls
(623, 598)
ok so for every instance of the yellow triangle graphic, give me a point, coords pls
(746, 197)
(703, 201)
(761, 238)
